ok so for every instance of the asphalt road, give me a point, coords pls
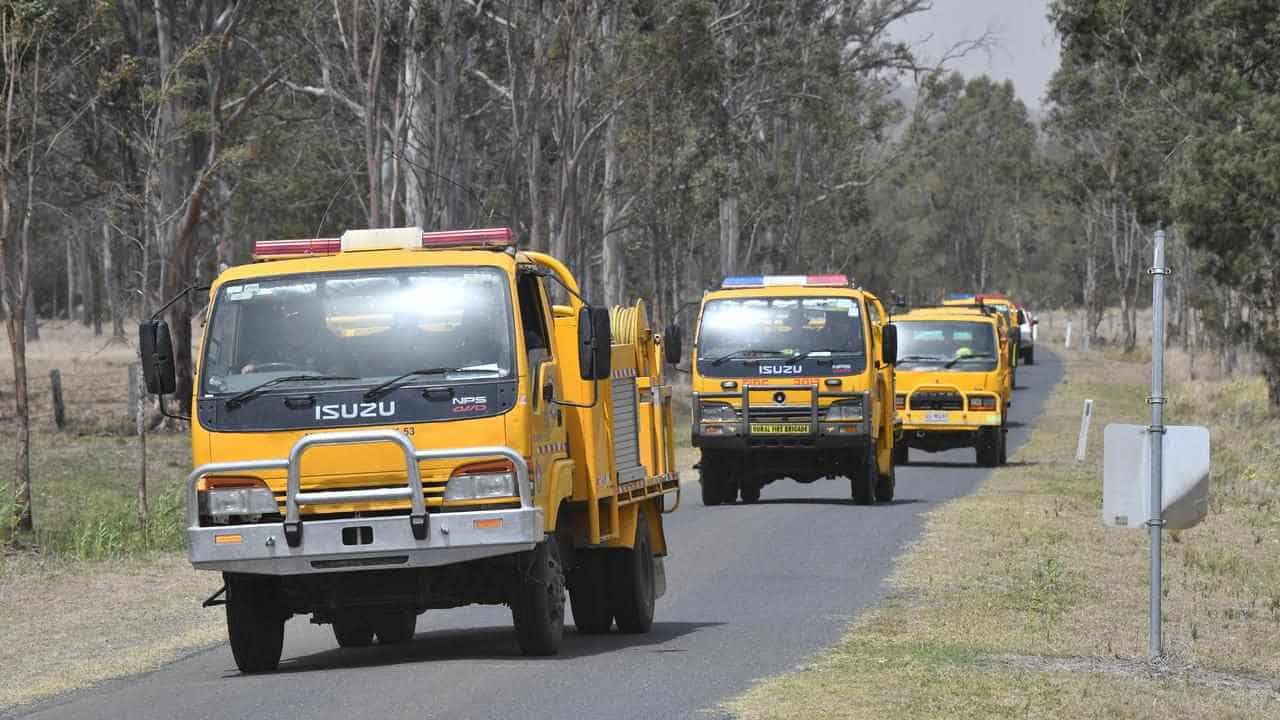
(752, 590)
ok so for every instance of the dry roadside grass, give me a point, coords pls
(70, 624)
(1018, 603)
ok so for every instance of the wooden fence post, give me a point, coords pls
(59, 410)
(134, 405)
(138, 392)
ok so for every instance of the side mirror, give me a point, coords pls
(1035, 321)
(889, 344)
(156, 349)
(595, 343)
(672, 345)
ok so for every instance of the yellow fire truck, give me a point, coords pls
(954, 382)
(793, 377)
(394, 421)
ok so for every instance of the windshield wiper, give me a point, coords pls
(920, 358)
(383, 388)
(742, 354)
(239, 399)
(830, 351)
(951, 363)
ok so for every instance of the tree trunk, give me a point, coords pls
(728, 234)
(111, 281)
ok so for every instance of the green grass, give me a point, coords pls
(84, 490)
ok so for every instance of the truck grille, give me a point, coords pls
(937, 400)
(779, 413)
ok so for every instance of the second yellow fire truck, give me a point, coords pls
(793, 378)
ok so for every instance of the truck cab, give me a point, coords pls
(954, 382)
(792, 378)
(394, 421)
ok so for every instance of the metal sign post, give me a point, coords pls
(1156, 523)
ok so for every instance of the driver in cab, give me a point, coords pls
(300, 341)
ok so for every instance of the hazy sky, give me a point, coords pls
(1026, 50)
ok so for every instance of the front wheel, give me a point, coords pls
(537, 608)
(633, 582)
(1030, 356)
(255, 622)
(862, 484)
(988, 447)
(901, 453)
(712, 477)
(750, 491)
(886, 483)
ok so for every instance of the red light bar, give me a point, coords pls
(828, 280)
(479, 238)
(277, 249)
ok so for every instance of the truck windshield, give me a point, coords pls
(359, 327)
(946, 345)
(813, 327)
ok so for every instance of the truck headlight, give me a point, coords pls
(222, 498)
(481, 481)
(717, 412)
(982, 402)
(845, 411)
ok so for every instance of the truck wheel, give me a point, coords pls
(537, 610)
(750, 490)
(712, 479)
(988, 448)
(352, 630)
(901, 453)
(633, 582)
(395, 627)
(255, 622)
(1004, 446)
(589, 593)
(862, 484)
(1031, 356)
(886, 483)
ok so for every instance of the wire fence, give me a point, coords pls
(104, 399)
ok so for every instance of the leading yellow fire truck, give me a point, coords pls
(793, 377)
(393, 421)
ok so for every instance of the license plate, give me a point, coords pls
(936, 417)
(780, 428)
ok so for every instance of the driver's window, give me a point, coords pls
(533, 321)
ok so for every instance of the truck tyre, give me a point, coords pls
(352, 630)
(633, 582)
(1031, 356)
(886, 483)
(1004, 446)
(750, 490)
(862, 484)
(901, 453)
(589, 593)
(395, 627)
(988, 448)
(255, 622)
(537, 610)
(712, 478)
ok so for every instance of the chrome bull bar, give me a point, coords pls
(294, 497)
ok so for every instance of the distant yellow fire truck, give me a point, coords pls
(954, 382)
(394, 421)
(793, 377)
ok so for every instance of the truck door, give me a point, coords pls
(546, 424)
